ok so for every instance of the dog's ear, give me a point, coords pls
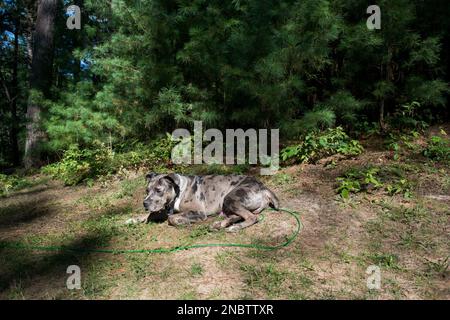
(150, 176)
(173, 178)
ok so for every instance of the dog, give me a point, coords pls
(190, 199)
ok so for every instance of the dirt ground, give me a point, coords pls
(406, 237)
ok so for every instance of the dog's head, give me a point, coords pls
(162, 189)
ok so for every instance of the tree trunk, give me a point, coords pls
(381, 118)
(15, 156)
(40, 79)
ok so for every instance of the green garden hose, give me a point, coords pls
(18, 245)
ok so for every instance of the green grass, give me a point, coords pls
(439, 267)
(223, 259)
(266, 277)
(141, 265)
(282, 179)
(199, 232)
(387, 260)
(407, 215)
(129, 187)
(189, 295)
(196, 269)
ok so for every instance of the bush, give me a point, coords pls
(10, 183)
(319, 145)
(357, 180)
(438, 149)
(372, 178)
(78, 165)
(400, 143)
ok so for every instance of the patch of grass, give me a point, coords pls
(199, 231)
(190, 295)
(196, 269)
(305, 263)
(105, 227)
(439, 267)
(282, 179)
(387, 260)
(402, 186)
(266, 277)
(97, 279)
(299, 286)
(445, 182)
(223, 258)
(15, 291)
(405, 214)
(129, 187)
(97, 202)
(141, 265)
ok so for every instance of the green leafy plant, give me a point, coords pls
(373, 178)
(408, 116)
(438, 149)
(357, 180)
(347, 185)
(319, 145)
(386, 260)
(9, 183)
(397, 143)
(402, 186)
(79, 165)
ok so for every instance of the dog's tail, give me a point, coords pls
(274, 203)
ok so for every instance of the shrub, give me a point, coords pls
(372, 178)
(438, 149)
(402, 186)
(319, 145)
(357, 180)
(400, 143)
(78, 165)
(10, 183)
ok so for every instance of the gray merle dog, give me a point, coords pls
(189, 199)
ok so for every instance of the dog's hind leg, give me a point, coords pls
(185, 218)
(226, 222)
(249, 220)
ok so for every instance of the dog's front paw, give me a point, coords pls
(176, 220)
(233, 229)
(216, 226)
(136, 220)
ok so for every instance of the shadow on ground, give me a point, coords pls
(23, 269)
